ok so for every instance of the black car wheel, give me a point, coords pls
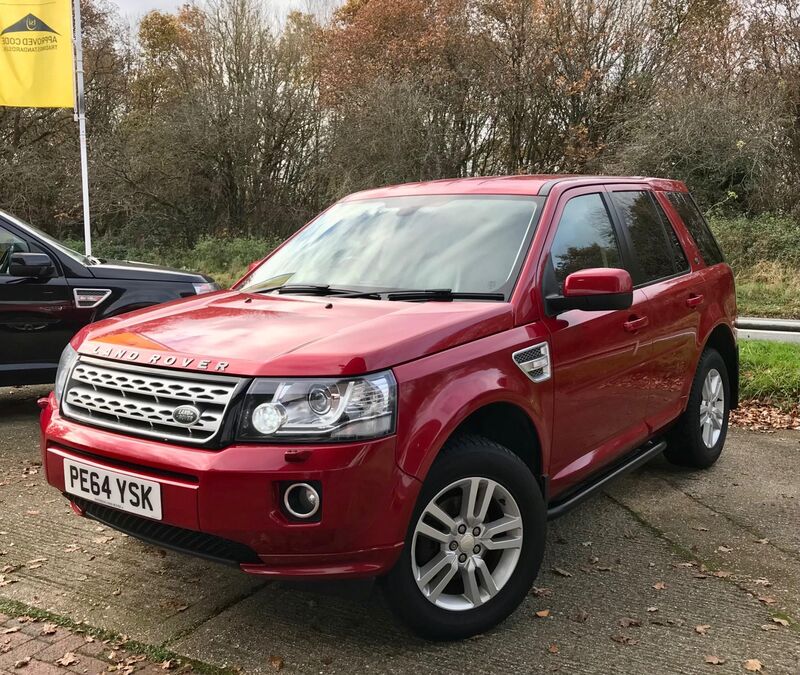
(699, 436)
(474, 545)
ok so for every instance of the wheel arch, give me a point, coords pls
(502, 421)
(721, 339)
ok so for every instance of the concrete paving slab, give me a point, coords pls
(78, 568)
(615, 562)
(611, 614)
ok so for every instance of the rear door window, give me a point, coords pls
(697, 226)
(653, 242)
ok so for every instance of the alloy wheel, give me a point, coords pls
(712, 408)
(466, 544)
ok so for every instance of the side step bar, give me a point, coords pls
(640, 457)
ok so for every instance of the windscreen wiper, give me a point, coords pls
(322, 290)
(442, 295)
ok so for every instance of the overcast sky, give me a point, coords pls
(136, 8)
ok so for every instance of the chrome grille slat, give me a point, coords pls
(158, 387)
(141, 400)
(136, 409)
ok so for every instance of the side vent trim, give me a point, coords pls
(534, 361)
(89, 298)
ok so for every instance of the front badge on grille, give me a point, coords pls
(187, 415)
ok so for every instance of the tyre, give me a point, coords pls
(474, 544)
(698, 437)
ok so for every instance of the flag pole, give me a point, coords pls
(81, 115)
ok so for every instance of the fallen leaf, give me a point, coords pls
(543, 613)
(624, 640)
(724, 549)
(22, 662)
(627, 622)
(553, 648)
(702, 629)
(102, 540)
(541, 592)
(562, 572)
(715, 660)
(700, 528)
(183, 608)
(721, 575)
(762, 541)
(762, 582)
(15, 629)
(779, 621)
(758, 416)
(169, 664)
(276, 662)
(769, 626)
(652, 609)
(753, 665)
(767, 599)
(660, 586)
(67, 660)
(49, 629)
(581, 616)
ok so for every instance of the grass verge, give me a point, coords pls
(770, 372)
(769, 289)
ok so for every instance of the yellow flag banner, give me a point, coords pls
(36, 66)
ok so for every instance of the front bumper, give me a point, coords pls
(232, 495)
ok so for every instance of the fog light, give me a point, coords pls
(268, 418)
(301, 500)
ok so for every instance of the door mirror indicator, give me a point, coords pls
(34, 265)
(594, 290)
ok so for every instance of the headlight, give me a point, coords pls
(207, 287)
(68, 358)
(319, 409)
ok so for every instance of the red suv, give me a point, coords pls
(409, 388)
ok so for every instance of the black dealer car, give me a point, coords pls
(48, 292)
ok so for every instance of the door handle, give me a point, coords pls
(635, 323)
(694, 300)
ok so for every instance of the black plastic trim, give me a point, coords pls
(631, 462)
(191, 542)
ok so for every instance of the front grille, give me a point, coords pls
(168, 536)
(143, 401)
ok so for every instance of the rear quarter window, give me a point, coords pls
(697, 226)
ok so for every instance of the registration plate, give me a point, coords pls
(111, 488)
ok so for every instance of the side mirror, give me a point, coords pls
(35, 265)
(594, 290)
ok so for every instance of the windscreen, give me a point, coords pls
(457, 242)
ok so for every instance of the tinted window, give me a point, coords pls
(647, 234)
(678, 256)
(585, 238)
(697, 226)
(10, 243)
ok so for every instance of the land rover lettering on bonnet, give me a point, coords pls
(409, 388)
